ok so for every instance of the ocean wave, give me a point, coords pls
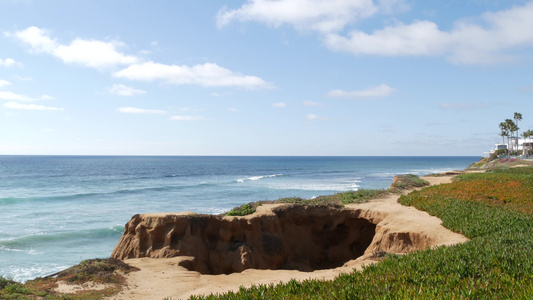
(210, 210)
(30, 241)
(26, 251)
(334, 187)
(31, 271)
(13, 200)
(255, 178)
(124, 191)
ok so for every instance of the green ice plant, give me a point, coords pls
(496, 264)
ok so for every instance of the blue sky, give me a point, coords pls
(262, 77)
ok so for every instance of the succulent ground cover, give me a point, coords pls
(493, 209)
(406, 182)
(92, 270)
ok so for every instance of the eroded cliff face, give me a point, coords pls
(304, 238)
(291, 237)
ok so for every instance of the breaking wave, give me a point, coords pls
(255, 178)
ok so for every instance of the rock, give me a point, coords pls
(293, 237)
(289, 237)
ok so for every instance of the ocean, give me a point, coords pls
(58, 210)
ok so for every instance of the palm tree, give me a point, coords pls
(504, 127)
(510, 129)
(514, 128)
(517, 117)
(527, 137)
(503, 133)
(524, 136)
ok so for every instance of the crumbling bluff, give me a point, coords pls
(294, 237)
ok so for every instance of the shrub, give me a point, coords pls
(409, 181)
(96, 270)
(243, 210)
(336, 200)
(4, 282)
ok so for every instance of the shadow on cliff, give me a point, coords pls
(291, 237)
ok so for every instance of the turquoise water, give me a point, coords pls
(58, 210)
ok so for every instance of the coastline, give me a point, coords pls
(231, 282)
(87, 200)
(168, 279)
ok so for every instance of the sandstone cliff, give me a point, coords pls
(304, 238)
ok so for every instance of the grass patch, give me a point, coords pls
(96, 270)
(243, 210)
(492, 209)
(336, 200)
(359, 196)
(407, 182)
(107, 271)
(494, 162)
(4, 282)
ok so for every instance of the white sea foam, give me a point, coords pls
(209, 210)
(29, 272)
(309, 186)
(3, 248)
(255, 178)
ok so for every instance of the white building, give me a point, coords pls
(524, 147)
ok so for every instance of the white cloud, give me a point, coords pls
(232, 109)
(135, 110)
(47, 97)
(4, 83)
(101, 55)
(467, 42)
(7, 62)
(419, 38)
(90, 53)
(37, 38)
(279, 105)
(13, 96)
(319, 15)
(313, 117)
(186, 118)
(382, 90)
(15, 105)
(311, 103)
(208, 74)
(123, 90)
(186, 109)
(95, 54)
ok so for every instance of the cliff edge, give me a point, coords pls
(283, 236)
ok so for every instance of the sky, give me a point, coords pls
(262, 77)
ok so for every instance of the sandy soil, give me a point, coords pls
(163, 278)
(436, 180)
(66, 288)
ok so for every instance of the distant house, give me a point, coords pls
(496, 148)
(523, 145)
